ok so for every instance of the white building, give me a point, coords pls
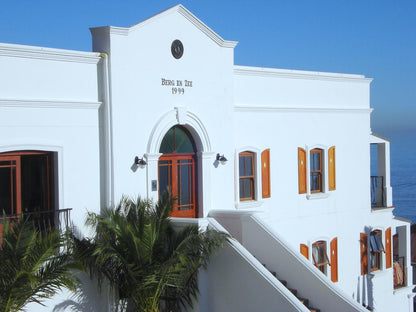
(295, 192)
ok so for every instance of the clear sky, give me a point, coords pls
(376, 38)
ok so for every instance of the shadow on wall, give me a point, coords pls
(88, 299)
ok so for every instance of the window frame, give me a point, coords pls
(251, 178)
(258, 199)
(376, 250)
(320, 172)
(321, 265)
(49, 196)
(305, 174)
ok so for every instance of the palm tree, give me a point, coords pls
(148, 263)
(34, 265)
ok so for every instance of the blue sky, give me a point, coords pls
(376, 38)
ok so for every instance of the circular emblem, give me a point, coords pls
(177, 49)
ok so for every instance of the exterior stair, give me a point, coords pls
(305, 301)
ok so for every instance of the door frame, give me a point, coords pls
(175, 158)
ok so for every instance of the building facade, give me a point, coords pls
(278, 158)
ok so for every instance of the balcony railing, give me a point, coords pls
(44, 220)
(399, 272)
(377, 192)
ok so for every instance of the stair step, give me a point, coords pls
(294, 291)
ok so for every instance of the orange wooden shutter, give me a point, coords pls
(304, 250)
(331, 168)
(388, 248)
(265, 173)
(363, 253)
(334, 260)
(302, 170)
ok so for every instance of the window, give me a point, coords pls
(328, 266)
(320, 256)
(26, 182)
(27, 186)
(246, 175)
(315, 161)
(315, 174)
(376, 250)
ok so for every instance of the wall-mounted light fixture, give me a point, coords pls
(221, 159)
(140, 161)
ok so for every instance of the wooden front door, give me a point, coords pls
(177, 171)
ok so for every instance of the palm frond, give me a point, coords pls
(35, 265)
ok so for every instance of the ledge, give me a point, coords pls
(48, 103)
(249, 204)
(382, 209)
(317, 196)
(33, 52)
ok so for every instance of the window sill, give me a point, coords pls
(404, 289)
(317, 196)
(379, 273)
(248, 204)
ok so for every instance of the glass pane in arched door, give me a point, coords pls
(177, 171)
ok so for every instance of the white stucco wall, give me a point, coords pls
(98, 112)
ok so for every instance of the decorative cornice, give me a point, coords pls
(204, 28)
(177, 8)
(25, 103)
(261, 109)
(16, 50)
(298, 74)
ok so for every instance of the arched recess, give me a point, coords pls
(204, 155)
(179, 116)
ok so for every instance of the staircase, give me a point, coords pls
(294, 291)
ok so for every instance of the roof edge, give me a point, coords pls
(380, 137)
(301, 74)
(27, 51)
(124, 31)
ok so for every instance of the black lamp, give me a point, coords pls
(140, 161)
(221, 159)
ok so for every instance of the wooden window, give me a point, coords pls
(26, 182)
(388, 249)
(265, 173)
(363, 253)
(304, 250)
(334, 260)
(246, 175)
(331, 169)
(376, 249)
(10, 185)
(320, 256)
(302, 181)
(315, 163)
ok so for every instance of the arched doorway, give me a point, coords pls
(177, 171)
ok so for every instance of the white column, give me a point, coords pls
(383, 168)
(152, 191)
(205, 165)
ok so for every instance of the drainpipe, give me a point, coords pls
(108, 134)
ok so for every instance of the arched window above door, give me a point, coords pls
(177, 140)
